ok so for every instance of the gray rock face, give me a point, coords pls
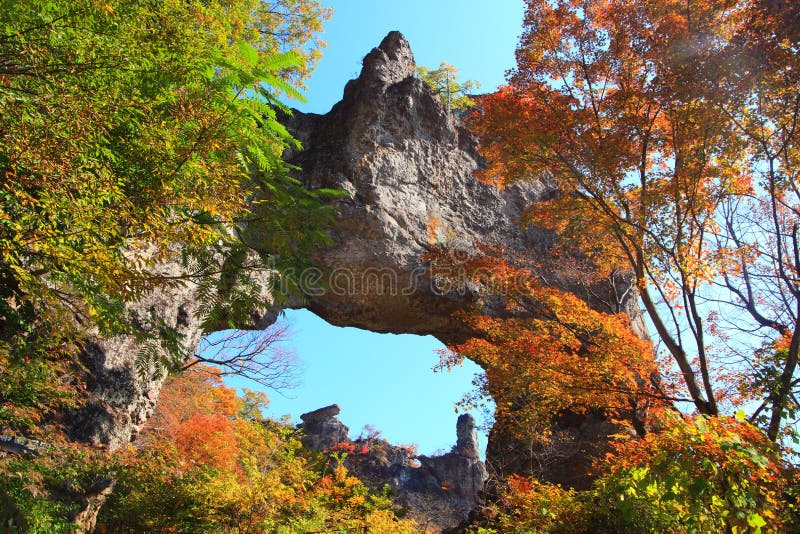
(565, 458)
(467, 443)
(447, 488)
(407, 164)
(121, 398)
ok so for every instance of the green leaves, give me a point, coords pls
(250, 54)
(755, 520)
(139, 134)
(701, 475)
(443, 81)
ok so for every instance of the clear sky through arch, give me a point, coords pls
(383, 380)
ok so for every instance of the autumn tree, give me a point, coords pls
(210, 460)
(619, 104)
(551, 363)
(140, 151)
(697, 475)
(443, 81)
(758, 90)
(715, 474)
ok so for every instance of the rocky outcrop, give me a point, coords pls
(466, 436)
(121, 396)
(438, 491)
(565, 458)
(121, 393)
(407, 164)
(322, 430)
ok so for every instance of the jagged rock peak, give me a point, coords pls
(391, 62)
(467, 436)
(322, 430)
(440, 490)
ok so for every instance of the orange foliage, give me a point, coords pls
(208, 440)
(528, 505)
(645, 118)
(214, 462)
(550, 353)
(196, 414)
(198, 391)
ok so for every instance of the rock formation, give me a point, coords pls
(121, 398)
(322, 430)
(407, 165)
(467, 436)
(439, 491)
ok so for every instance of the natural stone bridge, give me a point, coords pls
(407, 165)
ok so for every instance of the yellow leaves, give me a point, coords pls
(270, 481)
(356, 500)
(109, 161)
(341, 476)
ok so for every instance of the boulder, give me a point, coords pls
(322, 430)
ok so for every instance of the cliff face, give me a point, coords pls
(121, 397)
(407, 164)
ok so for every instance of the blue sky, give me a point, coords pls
(476, 36)
(382, 379)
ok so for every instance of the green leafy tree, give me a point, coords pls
(136, 135)
(443, 81)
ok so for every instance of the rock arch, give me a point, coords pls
(407, 163)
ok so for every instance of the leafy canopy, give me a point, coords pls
(668, 129)
(140, 151)
(443, 81)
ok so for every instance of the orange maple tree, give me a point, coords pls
(196, 413)
(673, 150)
(547, 353)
